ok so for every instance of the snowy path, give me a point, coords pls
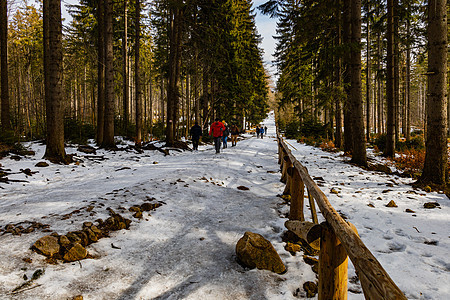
(186, 248)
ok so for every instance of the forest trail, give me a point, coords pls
(185, 249)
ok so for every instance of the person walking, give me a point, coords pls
(234, 130)
(196, 133)
(225, 135)
(261, 132)
(258, 131)
(265, 130)
(216, 131)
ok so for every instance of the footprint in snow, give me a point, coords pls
(396, 247)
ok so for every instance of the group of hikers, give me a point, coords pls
(260, 131)
(220, 132)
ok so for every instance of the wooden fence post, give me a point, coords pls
(285, 165)
(297, 197)
(333, 267)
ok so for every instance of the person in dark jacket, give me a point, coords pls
(234, 134)
(265, 130)
(225, 135)
(216, 131)
(258, 130)
(196, 133)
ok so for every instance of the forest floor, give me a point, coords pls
(185, 249)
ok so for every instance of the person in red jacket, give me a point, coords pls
(216, 131)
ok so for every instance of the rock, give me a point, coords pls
(147, 206)
(290, 247)
(76, 252)
(138, 214)
(64, 241)
(253, 250)
(87, 224)
(409, 211)
(370, 205)
(427, 189)
(242, 188)
(391, 204)
(97, 231)
(73, 237)
(87, 149)
(84, 240)
(310, 288)
(380, 168)
(92, 237)
(334, 191)
(313, 262)
(41, 164)
(47, 245)
(431, 205)
(135, 209)
(78, 297)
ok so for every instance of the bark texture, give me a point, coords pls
(435, 167)
(53, 65)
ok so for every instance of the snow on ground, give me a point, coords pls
(186, 248)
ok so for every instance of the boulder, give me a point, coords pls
(431, 205)
(41, 164)
(310, 288)
(76, 252)
(64, 241)
(47, 245)
(254, 251)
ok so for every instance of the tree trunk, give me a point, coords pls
(5, 115)
(359, 143)
(108, 134)
(390, 122)
(348, 140)
(368, 75)
(338, 79)
(396, 73)
(100, 73)
(174, 73)
(137, 78)
(408, 76)
(126, 87)
(435, 166)
(53, 66)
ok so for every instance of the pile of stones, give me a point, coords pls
(71, 246)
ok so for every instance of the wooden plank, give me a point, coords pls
(376, 282)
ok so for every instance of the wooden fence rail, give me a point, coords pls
(338, 239)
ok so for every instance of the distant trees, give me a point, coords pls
(316, 38)
(119, 73)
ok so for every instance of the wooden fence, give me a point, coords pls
(338, 238)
